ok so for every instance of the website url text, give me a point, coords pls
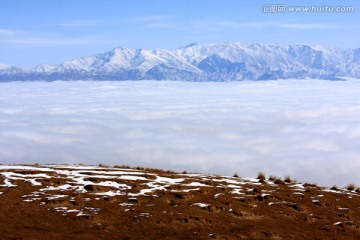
(282, 8)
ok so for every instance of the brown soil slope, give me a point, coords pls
(87, 202)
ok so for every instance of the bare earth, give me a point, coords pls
(90, 202)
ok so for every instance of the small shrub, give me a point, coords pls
(261, 176)
(236, 175)
(154, 170)
(272, 178)
(257, 190)
(122, 166)
(310, 184)
(184, 172)
(103, 165)
(357, 189)
(335, 188)
(287, 179)
(350, 187)
(278, 181)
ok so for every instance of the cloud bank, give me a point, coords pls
(308, 129)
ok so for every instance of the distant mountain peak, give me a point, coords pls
(4, 66)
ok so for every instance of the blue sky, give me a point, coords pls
(34, 32)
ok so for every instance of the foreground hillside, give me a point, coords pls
(89, 202)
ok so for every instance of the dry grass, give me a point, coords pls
(261, 176)
(310, 184)
(154, 170)
(350, 187)
(103, 165)
(287, 179)
(122, 166)
(272, 178)
(278, 181)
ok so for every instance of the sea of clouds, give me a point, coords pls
(308, 129)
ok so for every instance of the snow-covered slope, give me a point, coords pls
(3, 66)
(202, 62)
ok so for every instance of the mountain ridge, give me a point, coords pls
(201, 62)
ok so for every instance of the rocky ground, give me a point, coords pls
(94, 202)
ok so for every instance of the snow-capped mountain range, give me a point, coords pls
(201, 62)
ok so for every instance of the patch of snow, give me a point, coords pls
(252, 180)
(126, 204)
(64, 187)
(33, 182)
(72, 210)
(152, 187)
(233, 186)
(144, 215)
(299, 189)
(332, 191)
(217, 195)
(283, 202)
(340, 208)
(200, 204)
(60, 208)
(53, 197)
(91, 209)
(237, 191)
(109, 193)
(196, 184)
(7, 183)
(186, 190)
(166, 180)
(134, 178)
(81, 214)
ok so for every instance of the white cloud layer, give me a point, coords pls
(308, 129)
